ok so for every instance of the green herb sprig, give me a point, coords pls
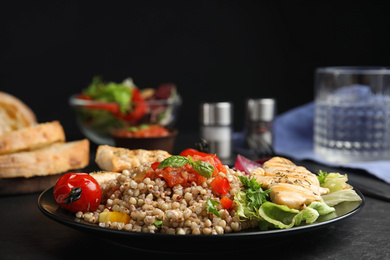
(322, 176)
(211, 207)
(255, 195)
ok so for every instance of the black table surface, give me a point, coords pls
(28, 234)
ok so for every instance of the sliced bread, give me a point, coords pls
(52, 159)
(116, 159)
(33, 137)
(14, 114)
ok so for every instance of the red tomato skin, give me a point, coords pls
(220, 185)
(150, 131)
(90, 195)
(112, 107)
(226, 202)
(139, 110)
(155, 165)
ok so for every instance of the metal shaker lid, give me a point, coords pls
(262, 109)
(219, 113)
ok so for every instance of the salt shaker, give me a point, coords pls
(216, 127)
(260, 114)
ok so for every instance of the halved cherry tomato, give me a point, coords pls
(220, 185)
(226, 202)
(77, 192)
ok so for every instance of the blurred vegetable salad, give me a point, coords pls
(110, 105)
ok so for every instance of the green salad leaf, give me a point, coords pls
(339, 189)
(336, 181)
(321, 207)
(339, 196)
(119, 93)
(279, 215)
(309, 215)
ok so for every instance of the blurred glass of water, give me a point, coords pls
(352, 114)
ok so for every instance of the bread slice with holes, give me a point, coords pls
(30, 138)
(52, 159)
(117, 159)
(103, 177)
(14, 114)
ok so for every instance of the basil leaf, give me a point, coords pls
(211, 207)
(174, 161)
(203, 168)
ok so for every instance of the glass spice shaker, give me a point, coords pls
(216, 127)
(260, 114)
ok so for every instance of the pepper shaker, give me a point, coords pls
(216, 127)
(260, 114)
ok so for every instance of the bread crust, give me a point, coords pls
(116, 159)
(55, 158)
(30, 138)
(14, 114)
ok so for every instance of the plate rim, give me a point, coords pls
(45, 198)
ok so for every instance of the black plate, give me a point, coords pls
(185, 243)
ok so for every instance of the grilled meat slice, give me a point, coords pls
(291, 185)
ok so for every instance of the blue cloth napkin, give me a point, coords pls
(293, 133)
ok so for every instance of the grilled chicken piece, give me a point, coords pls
(115, 159)
(103, 177)
(291, 185)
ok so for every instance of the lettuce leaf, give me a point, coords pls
(335, 181)
(340, 190)
(322, 207)
(244, 209)
(339, 196)
(309, 215)
(120, 93)
(279, 215)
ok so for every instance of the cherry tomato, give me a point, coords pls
(77, 192)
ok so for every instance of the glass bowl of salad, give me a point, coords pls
(104, 107)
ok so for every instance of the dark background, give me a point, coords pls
(212, 50)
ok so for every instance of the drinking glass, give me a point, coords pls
(352, 114)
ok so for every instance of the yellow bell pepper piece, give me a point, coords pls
(113, 216)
